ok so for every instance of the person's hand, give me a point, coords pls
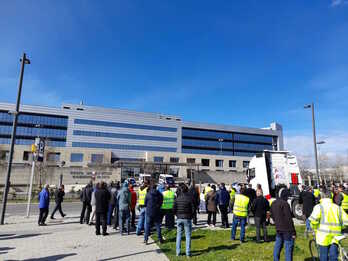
(294, 237)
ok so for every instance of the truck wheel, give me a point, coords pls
(297, 209)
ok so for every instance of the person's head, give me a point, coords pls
(125, 184)
(98, 185)
(209, 185)
(213, 187)
(340, 188)
(250, 186)
(183, 188)
(335, 190)
(222, 185)
(259, 193)
(90, 183)
(62, 187)
(258, 186)
(47, 186)
(167, 187)
(130, 186)
(242, 191)
(324, 193)
(284, 194)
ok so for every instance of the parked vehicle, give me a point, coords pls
(166, 179)
(143, 177)
(275, 170)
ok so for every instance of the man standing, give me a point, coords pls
(337, 196)
(260, 208)
(307, 199)
(240, 213)
(183, 209)
(286, 233)
(153, 203)
(167, 208)
(44, 203)
(102, 197)
(112, 190)
(59, 197)
(328, 219)
(132, 205)
(210, 199)
(86, 196)
(141, 206)
(117, 209)
(124, 199)
(223, 201)
(343, 192)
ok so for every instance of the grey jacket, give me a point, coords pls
(124, 197)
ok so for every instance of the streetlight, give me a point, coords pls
(319, 160)
(308, 106)
(24, 60)
(221, 140)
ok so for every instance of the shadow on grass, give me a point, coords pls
(213, 249)
(173, 239)
(269, 237)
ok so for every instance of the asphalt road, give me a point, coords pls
(20, 209)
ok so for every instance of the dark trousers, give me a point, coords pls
(116, 213)
(194, 217)
(260, 222)
(133, 218)
(85, 215)
(100, 218)
(211, 213)
(224, 217)
(169, 218)
(59, 208)
(110, 212)
(43, 215)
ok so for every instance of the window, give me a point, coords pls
(219, 163)
(190, 160)
(4, 155)
(158, 159)
(205, 162)
(246, 164)
(174, 160)
(76, 157)
(27, 155)
(97, 158)
(53, 157)
(232, 163)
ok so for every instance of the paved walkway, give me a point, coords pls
(23, 239)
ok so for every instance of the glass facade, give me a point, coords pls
(122, 146)
(76, 157)
(53, 128)
(212, 142)
(122, 136)
(123, 125)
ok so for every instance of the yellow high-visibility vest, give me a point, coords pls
(240, 207)
(328, 219)
(271, 200)
(168, 199)
(344, 204)
(142, 195)
(206, 190)
(316, 193)
(232, 194)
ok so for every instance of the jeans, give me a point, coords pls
(181, 225)
(43, 215)
(281, 240)
(124, 218)
(260, 222)
(308, 225)
(242, 221)
(110, 211)
(59, 208)
(148, 224)
(141, 221)
(327, 253)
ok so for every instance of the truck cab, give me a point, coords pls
(275, 170)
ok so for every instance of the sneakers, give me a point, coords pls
(145, 242)
(97, 233)
(64, 215)
(53, 218)
(105, 234)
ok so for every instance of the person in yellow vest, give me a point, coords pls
(232, 198)
(240, 213)
(316, 193)
(328, 219)
(344, 203)
(167, 208)
(141, 207)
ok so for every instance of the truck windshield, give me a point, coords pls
(169, 180)
(250, 174)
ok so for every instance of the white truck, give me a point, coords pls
(274, 170)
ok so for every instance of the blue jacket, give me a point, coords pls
(44, 198)
(153, 203)
(222, 197)
(124, 197)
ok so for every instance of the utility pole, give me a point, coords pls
(24, 60)
(314, 140)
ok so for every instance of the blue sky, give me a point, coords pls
(232, 62)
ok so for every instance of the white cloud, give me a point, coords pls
(335, 3)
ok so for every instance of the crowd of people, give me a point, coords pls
(116, 204)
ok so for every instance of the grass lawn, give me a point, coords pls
(216, 245)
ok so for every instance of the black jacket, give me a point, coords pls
(183, 206)
(307, 200)
(251, 194)
(59, 195)
(102, 197)
(281, 214)
(194, 196)
(153, 203)
(86, 194)
(260, 207)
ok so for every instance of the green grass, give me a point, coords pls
(216, 245)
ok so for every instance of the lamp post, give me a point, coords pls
(24, 60)
(221, 140)
(311, 106)
(319, 160)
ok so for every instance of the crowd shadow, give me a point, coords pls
(130, 255)
(4, 250)
(48, 258)
(63, 223)
(6, 235)
(212, 249)
(14, 236)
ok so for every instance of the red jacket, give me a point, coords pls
(134, 198)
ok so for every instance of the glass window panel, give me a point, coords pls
(157, 159)
(76, 157)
